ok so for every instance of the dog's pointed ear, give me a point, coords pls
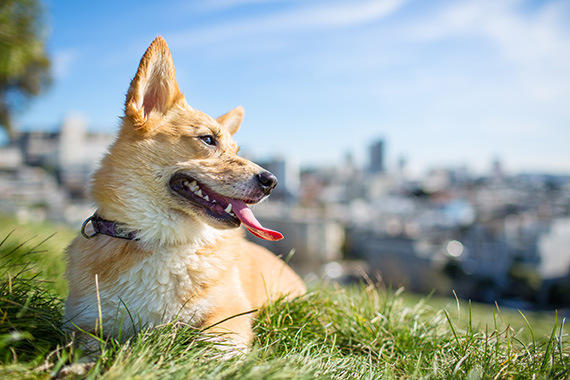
(232, 120)
(154, 88)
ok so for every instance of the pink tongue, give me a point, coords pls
(248, 219)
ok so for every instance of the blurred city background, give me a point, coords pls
(423, 143)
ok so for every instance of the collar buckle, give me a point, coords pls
(107, 227)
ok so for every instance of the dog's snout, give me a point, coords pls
(267, 181)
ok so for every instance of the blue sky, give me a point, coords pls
(445, 83)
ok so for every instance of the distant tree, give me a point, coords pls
(24, 64)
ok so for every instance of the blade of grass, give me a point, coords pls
(531, 332)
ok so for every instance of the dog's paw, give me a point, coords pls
(227, 347)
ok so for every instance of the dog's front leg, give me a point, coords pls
(230, 323)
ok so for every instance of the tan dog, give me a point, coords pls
(164, 244)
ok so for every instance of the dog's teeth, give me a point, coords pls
(232, 214)
(213, 201)
(193, 186)
(229, 208)
(186, 183)
(199, 193)
(207, 198)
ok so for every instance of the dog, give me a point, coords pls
(164, 244)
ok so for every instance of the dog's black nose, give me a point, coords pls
(267, 181)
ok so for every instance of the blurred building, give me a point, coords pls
(287, 173)
(554, 246)
(377, 163)
(10, 158)
(72, 153)
(46, 175)
(314, 239)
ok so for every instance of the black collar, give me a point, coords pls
(107, 227)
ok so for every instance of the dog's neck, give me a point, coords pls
(154, 231)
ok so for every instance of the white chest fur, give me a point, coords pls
(157, 289)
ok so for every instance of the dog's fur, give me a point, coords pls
(186, 264)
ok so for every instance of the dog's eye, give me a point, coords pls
(208, 140)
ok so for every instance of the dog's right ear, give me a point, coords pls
(154, 88)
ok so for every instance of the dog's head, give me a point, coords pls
(174, 165)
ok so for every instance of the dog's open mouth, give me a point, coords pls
(227, 210)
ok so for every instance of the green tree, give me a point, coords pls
(24, 64)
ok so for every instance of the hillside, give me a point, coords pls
(363, 331)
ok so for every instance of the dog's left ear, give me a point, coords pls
(232, 120)
(154, 88)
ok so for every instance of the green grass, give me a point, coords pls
(360, 332)
(41, 246)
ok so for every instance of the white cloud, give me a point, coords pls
(344, 14)
(63, 61)
(536, 44)
(220, 5)
(325, 14)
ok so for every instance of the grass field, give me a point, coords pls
(333, 332)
